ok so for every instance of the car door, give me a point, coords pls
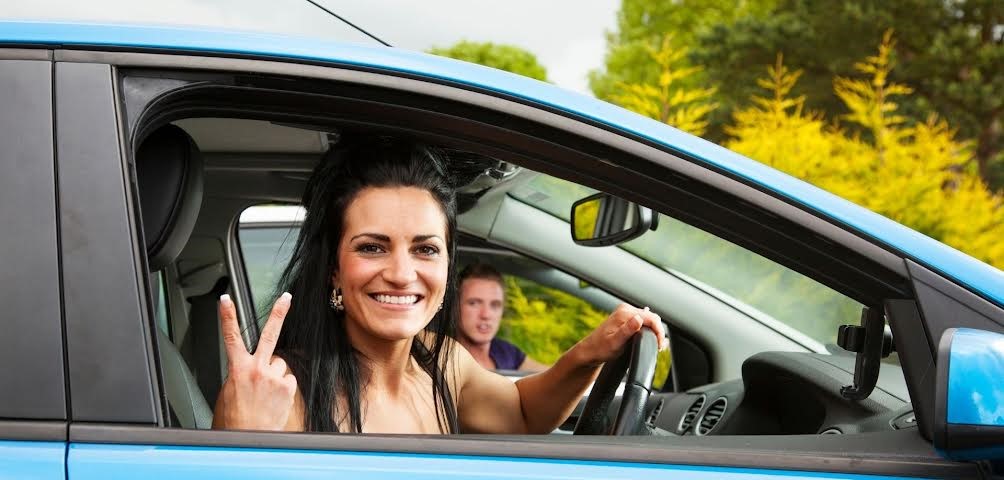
(33, 409)
(119, 412)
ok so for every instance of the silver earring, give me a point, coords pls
(336, 300)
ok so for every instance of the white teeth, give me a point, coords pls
(397, 300)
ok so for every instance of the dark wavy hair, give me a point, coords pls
(330, 373)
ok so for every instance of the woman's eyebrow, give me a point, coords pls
(375, 236)
(422, 238)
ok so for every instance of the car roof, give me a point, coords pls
(977, 276)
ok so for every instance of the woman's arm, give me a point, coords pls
(531, 365)
(490, 403)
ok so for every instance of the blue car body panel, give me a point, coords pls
(111, 462)
(976, 379)
(32, 460)
(965, 270)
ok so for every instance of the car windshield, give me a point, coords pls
(749, 282)
(289, 17)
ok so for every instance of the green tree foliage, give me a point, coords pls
(952, 56)
(642, 24)
(503, 57)
(669, 100)
(912, 173)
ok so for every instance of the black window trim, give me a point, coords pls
(33, 377)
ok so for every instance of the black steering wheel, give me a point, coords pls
(638, 361)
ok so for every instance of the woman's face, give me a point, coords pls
(392, 261)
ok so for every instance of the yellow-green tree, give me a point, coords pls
(669, 100)
(919, 175)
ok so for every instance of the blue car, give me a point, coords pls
(144, 171)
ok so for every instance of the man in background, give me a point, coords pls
(482, 301)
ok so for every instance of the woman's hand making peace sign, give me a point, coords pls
(259, 392)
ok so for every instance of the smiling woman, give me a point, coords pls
(370, 308)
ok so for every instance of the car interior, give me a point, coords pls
(752, 339)
(204, 181)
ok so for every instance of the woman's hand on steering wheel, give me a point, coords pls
(258, 393)
(607, 341)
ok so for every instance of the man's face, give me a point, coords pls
(481, 304)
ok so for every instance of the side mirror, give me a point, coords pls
(601, 219)
(969, 395)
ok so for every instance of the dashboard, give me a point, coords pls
(785, 393)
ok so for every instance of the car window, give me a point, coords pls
(760, 287)
(267, 236)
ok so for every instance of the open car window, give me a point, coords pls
(761, 288)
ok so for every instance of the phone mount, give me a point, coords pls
(871, 343)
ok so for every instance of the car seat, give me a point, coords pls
(169, 172)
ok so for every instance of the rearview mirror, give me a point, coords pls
(601, 219)
(969, 395)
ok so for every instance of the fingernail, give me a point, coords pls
(286, 296)
(225, 299)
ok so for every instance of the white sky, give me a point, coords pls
(566, 35)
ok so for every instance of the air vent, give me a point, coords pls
(655, 412)
(688, 418)
(711, 416)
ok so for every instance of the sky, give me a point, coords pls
(567, 36)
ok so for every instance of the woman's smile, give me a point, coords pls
(399, 301)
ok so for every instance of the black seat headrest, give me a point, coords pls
(169, 173)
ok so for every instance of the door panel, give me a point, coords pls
(111, 462)
(32, 460)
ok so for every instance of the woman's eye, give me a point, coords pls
(427, 250)
(369, 248)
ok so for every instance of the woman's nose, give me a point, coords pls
(401, 269)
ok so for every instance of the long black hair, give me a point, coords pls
(313, 341)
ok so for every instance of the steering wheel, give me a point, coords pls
(638, 361)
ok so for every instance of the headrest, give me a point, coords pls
(169, 173)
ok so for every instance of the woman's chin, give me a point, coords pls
(395, 330)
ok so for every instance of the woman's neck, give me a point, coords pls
(388, 362)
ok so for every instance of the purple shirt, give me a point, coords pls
(505, 355)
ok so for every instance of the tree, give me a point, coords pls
(669, 100)
(503, 57)
(908, 172)
(643, 24)
(952, 55)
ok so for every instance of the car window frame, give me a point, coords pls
(150, 433)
